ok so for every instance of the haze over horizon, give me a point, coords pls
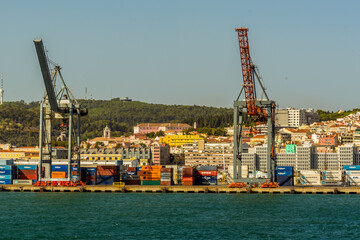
(185, 52)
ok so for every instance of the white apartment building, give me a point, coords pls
(292, 117)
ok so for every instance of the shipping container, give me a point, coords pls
(107, 170)
(27, 167)
(284, 173)
(187, 172)
(59, 168)
(23, 182)
(205, 173)
(58, 175)
(207, 168)
(5, 181)
(284, 168)
(6, 172)
(145, 182)
(132, 182)
(107, 180)
(6, 177)
(285, 180)
(352, 167)
(130, 177)
(6, 167)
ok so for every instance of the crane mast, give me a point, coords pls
(57, 105)
(258, 110)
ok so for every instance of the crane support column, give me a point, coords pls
(70, 140)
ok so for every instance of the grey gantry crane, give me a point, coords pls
(257, 110)
(61, 105)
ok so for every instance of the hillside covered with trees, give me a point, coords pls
(19, 121)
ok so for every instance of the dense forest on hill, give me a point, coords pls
(19, 121)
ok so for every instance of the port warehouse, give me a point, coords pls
(110, 172)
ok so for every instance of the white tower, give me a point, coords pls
(2, 90)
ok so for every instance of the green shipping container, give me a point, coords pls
(148, 182)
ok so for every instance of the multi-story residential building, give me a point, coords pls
(347, 137)
(213, 154)
(356, 136)
(156, 127)
(160, 154)
(329, 140)
(179, 140)
(292, 117)
(94, 154)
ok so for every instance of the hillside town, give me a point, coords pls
(301, 141)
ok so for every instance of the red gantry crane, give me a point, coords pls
(257, 110)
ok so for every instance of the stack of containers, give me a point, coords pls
(29, 172)
(187, 176)
(352, 174)
(130, 177)
(166, 176)
(89, 175)
(310, 177)
(107, 175)
(285, 175)
(6, 171)
(331, 177)
(74, 171)
(150, 175)
(205, 177)
(59, 171)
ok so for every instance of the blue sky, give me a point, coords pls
(185, 52)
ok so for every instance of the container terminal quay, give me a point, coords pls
(267, 150)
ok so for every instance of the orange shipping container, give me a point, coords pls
(152, 167)
(58, 175)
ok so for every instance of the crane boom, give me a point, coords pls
(248, 74)
(46, 74)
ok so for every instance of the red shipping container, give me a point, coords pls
(107, 170)
(131, 169)
(166, 170)
(32, 177)
(187, 179)
(188, 172)
(206, 173)
(132, 182)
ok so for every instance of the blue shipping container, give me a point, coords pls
(5, 181)
(284, 173)
(5, 172)
(284, 168)
(352, 167)
(27, 167)
(5, 177)
(106, 180)
(74, 168)
(285, 180)
(59, 168)
(207, 178)
(206, 182)
(7, 167)
(130, 173)
(88, 170)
